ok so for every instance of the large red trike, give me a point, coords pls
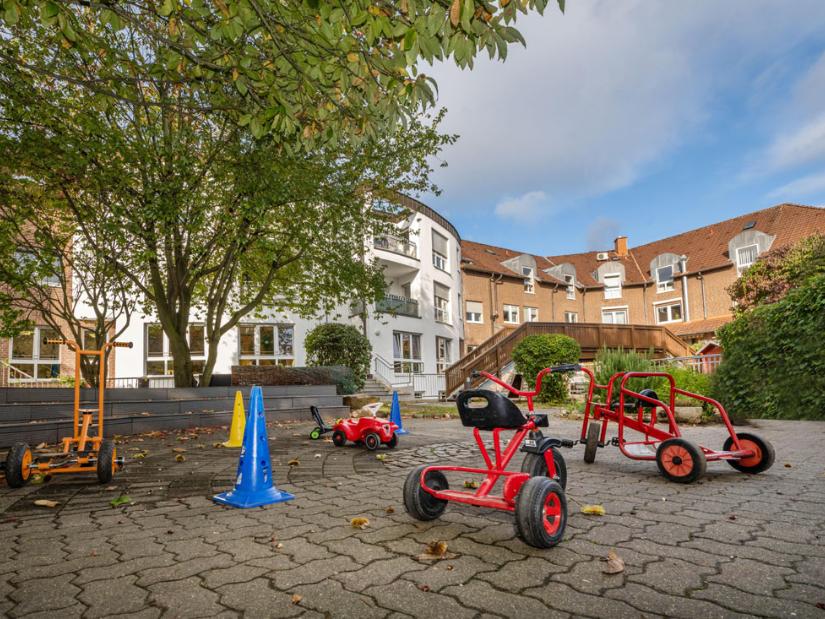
(678, 459)
(535, 493)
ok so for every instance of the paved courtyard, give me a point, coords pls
(729, 545)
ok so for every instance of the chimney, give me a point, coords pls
(621, 246)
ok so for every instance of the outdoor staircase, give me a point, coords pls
(496, 352)
(378, 389)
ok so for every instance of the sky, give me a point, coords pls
(644, 118)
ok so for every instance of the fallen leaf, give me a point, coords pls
(436, 549)
(360, 522)
(820, 605)
(593, 510)
(470, 484)
(179, 450)
(219, 445)
(381, 457)
(110, 488)
(450, 568)
(294, 462)
(37, 479)
(732, 517)
(423, 587)
(317, 455)
(123, 499)
(279, 546)
(390, 510)
(615, 564)
(42, 446)
(296, 599)
(180, 458)
(46, 503)
(788, 465)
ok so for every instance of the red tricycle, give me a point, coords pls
(371, 431)
(678, 459)
(535, 494)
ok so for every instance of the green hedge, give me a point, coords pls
(333, 344)
(774, 358)
(536, 352)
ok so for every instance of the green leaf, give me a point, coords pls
(123, 499)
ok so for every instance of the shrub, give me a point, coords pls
(774, 361)
(337, 344)
(536, 352)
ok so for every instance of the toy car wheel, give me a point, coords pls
(761, 461)
(419, 503)
(339, 439)
(535, 466)
(393, 441)
(315, 434)
(372, 441)
(541, 512)
(592, 442)
(680, 460)
(106, 461)
(17, 465)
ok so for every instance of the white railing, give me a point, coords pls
(385, 372)
(705, 364)
(396, 245)
(429, 386)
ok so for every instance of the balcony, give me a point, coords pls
(398, 306)
(396, 245)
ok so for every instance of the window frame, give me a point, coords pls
(616, 310)
(609, 290)
(529, 279)
(36, 360)
(666, 285)
(504, 312)
(166, 357)
(442, 311)
(440, 261)
(740, 268)
(668, 305)
(570, 287)
(528, 313)
(257, 357)
(568, 315)
(469, 315)
(413, 364)
(441, 364)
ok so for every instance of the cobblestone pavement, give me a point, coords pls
(726, 546)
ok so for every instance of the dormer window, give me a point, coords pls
(529, 283)
(613, 286)
(570, 280)
(745, 257)
(664, 278)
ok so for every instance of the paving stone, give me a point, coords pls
(331, 599)
(312, 572)
(559, 597)
(379, 573)
(404, 596)
(44, 594)
(186, 598)
(745, 603)
(672, 576)
(257, 599)
(113, 597)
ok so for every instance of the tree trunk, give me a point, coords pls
(182, 359)
(211, 359)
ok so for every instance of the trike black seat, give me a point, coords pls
(496, 412)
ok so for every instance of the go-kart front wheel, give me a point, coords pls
(419, 503)
(541, 512)
(315, 434)
(680, 460)
(339, 439)
(106, 461)
(762, 459)
(535, 466)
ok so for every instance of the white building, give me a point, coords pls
(418, 333)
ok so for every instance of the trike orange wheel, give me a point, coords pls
(680, 460)
(762, 459)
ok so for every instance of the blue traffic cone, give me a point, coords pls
(395, 414)
(254, 486)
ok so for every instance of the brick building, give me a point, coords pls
(680, 281)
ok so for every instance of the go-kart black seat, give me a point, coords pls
(496, 412)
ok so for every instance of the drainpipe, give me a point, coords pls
(494, 280)
(685, 300)
(704, 298)
(553, 303)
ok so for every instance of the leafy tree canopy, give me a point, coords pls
(337, 344)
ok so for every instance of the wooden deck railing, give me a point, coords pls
(495, 352)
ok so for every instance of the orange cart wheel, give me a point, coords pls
(17, 465)
(541, 512)
(763, 457)
(680, 460)
(592, 442)
(106, 461)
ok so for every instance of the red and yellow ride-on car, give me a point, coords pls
(86, 451)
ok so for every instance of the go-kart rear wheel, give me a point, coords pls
(315, 434)
(535, 466)
(339, 439)
(372, 441)
(17, 465)
(680, 460)
(419, 503)
(761, 461)
(393, 441)
(541, 512)
(592, 442)
(106, 461)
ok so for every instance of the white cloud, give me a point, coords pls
(604, 93)
(799, 146)
(523, 207)
(801, 188)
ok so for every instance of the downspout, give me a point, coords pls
(704, 298)
(685, 300)
(495, 278)
(553, 302)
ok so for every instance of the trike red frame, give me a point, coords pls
(682, 461)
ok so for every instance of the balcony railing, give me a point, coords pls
(398, 306)
(396, 245)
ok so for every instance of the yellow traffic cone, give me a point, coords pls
(238, 423)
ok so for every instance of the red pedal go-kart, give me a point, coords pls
(535, 494)
(371, 431)
(678, 459)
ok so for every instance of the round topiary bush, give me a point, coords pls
(336, 344)
(536, 352)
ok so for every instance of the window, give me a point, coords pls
(474, 312)
(265, 344)
(440, 251)
(614, 316)
(442, 353)
(406, 352)
(531, 314)
(511, 314)
(669, 313)
(570, 280)
(529, 282)
(664, 278)
(51, 276)
(31, 358)
(613, 286)
(442, 303)
(571, 317)
(746, 256)
(158, 356)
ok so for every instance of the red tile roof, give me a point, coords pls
(706, 247)
(699, 327)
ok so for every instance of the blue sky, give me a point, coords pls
(640, 117)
